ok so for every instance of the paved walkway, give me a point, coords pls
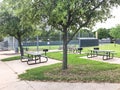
(99, 58)
(9, 78)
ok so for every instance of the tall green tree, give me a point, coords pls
(115, 32)
(103, 33)
(67, 15)
(10, 24)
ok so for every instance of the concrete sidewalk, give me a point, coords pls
(9, 78)
(99, 58)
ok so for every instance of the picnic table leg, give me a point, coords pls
(111, 55)
(39, 58)
(35, 59)
(106, 56)
(95, 53)
(90, 53)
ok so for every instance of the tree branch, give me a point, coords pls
(87, 21)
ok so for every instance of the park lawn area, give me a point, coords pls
(114, 47)
(79, 70)
(11, 58)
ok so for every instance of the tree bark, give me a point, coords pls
(20, 45)
(64, 66)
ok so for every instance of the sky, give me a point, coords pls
(111, 22)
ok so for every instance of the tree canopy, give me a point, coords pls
(103, 33)
(67, 15)
(115, 32)
(64, 15)
(10, 24)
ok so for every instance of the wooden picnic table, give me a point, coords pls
(106, 54)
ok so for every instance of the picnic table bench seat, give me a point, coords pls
(106, 54)
(37, 59)
(25, 58)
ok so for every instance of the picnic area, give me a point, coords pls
(59, 41)
(81, 68)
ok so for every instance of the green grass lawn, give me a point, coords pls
(113, 47)
(79, 69)
(50, 47)
(11, 58)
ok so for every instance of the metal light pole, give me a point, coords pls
(60, 38)
(79, 38)
(37, 43)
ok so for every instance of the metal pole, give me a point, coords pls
(60, 38)
(79, 38)
(13, 45)
(37, 43)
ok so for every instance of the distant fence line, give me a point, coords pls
(44, 43)
(104, 41)
(5, 45)
(48, 43)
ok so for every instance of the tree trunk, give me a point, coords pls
(64, 66)
(20, 45)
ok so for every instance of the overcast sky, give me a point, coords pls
(111, 22)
